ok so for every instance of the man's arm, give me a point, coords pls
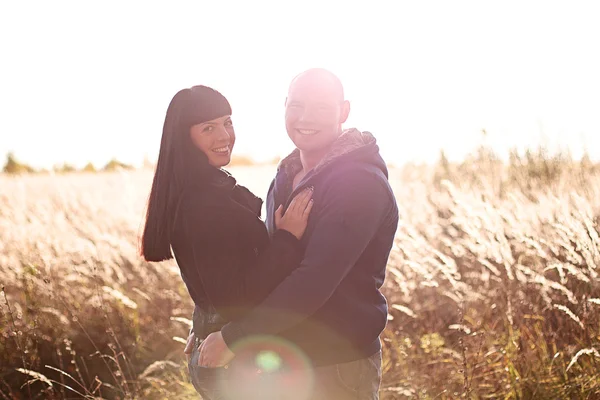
(212, 238)
(354, 207)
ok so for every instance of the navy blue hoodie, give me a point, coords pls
(331, 307)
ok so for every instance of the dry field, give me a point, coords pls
(493, 290)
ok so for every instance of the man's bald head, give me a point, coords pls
(322, 78)
(315, 110)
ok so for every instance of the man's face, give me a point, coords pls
(314, 113)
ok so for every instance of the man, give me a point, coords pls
(330, 308)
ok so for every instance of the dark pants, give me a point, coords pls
(356, 380)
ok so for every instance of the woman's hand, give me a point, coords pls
(296, 216)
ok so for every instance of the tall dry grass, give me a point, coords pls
(79, 306)
(493, 285)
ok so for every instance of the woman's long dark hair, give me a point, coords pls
(179, 164)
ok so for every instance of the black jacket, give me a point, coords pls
(331, 307)
(223, 249)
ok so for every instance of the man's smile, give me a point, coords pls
(307, 132)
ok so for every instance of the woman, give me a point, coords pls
(212, 224)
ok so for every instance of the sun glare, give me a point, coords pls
(419, 77)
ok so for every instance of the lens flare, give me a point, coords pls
(267, 367)
(269, 361)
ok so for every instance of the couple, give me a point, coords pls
(290, 308)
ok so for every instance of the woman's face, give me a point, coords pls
(215, 138)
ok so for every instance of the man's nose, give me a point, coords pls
(308, 115)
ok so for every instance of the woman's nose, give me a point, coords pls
(223, 134)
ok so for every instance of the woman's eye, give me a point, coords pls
(228, 123)
(208, 129)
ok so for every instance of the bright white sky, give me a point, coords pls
(83, 81)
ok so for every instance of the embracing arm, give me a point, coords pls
(352, 211)
(229, 279)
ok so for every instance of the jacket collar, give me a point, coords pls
(349, 141)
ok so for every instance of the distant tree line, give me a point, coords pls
(532, 168)
(14, 166)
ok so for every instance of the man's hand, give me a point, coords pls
(214, 352)
(189, 346)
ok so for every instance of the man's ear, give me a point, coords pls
(345, 111)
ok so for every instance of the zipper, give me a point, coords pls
(303, 184)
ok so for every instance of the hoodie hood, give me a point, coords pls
(352, 144)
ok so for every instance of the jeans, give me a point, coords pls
(355, 380)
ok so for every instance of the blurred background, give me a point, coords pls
(486, 112)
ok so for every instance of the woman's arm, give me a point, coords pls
(231, 282)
